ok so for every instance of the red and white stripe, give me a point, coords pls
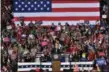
(65, 11)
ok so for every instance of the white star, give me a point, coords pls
(29, 2)
(41, 2)
(19, 6)
(22, 2)
(25, 5)
(16, 2)
(16, 9)
(32, 5)
(38, 5)
(22, 9)
(48, 2)
(35, 2)
(48, 8)
(45, 5)
(41, 8)
(29, 9)
(35, 8)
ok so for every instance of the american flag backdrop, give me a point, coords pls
(55, 11)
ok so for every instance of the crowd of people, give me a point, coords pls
(84, 42)
(6, 12)
(37, 43)
(104, 11)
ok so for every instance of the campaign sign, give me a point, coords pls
(101, 62)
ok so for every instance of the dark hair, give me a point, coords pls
(85, 71)
(32, 71)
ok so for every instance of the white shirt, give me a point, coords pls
(60, 46)
(58, 28)
(23, 35)
(9, 27)
(37, 60)
(31, 36)
(10, 51)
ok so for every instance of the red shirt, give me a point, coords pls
(67, 40)
(6, 39)
(37, 70)
(76, 68)
(44, 43)
(72, 49)
(91, 56)
(19, 34)
(26, 28)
